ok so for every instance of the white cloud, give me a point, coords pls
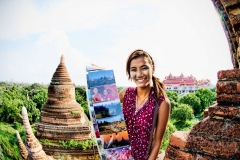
(179, 36)
(19, 18)
(22, 18)
(57, 44)
(178, 42)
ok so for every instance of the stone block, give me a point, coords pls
(233, 74)
(227, 3)
(228, 87)
(228, 98)
(211, 146)
(223, 110)
(173, 153)
(233, 131)
(237, 153)
(179, 139)
(204, 157)
(209, 126)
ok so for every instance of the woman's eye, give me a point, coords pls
(133, 70)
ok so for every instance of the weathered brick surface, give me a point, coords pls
(228, 98)
(179, 139)
(227, 3)
(211, 146)
(209, 127)
(233, 131)
(237, 154)
(62, 118)
(228, 87)
(233, 74)
(223, 110)
(205, 158)
(172, 153)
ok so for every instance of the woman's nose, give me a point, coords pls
(139, 73)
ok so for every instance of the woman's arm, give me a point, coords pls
(121, 94)
(163, 116)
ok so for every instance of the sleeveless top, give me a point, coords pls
(139, 122)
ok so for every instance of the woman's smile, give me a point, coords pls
(141, 71)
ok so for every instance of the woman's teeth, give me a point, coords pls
(140, 80)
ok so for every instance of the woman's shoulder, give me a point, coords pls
(165, 103)
(123, 92)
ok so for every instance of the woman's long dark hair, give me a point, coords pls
(158, 86)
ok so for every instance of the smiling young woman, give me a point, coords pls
(139, 104)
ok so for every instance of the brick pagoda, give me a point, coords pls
(63, 119)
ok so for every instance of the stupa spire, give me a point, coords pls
(23, 149)
(62, 59)
(33, 146)
(61, 75)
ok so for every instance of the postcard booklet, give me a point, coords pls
(106, 115)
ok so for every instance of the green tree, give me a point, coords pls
(1, 153)
(182, 113)
(34, 89)
(8, 142)
(40, 98)
(33, 112)
(83, 102)
(82, 91)
(206, 97)
(173, 97)
(192, 100)
(11, 105)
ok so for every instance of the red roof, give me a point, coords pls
(184, 81)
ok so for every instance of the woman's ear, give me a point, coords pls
(153, 69)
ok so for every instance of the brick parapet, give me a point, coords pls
(228, 87)
(228, 98)
(228, 75)
(211, 146)
(215, 137)
(224, 110)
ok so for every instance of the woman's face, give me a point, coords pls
(141, 71)
(105, 92)
(95, 90)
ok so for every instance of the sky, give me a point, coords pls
(182, 37)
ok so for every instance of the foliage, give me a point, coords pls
(34, 88)
(182, 113)
(82, 91)
(40, 98)
(77, 112)
(1, 154)
(119, 89)
(206, 97)
(8, 142)
(74, 143)
(213, 89)
(173, 97)
(169, 130)
(12, 103)
(192, 100)
(173, 103)
(188, 125)
(83, 102)
(45, 141)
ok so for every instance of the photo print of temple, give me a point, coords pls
(106, 115)
(100, 78)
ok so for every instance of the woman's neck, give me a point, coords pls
(143, 92)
